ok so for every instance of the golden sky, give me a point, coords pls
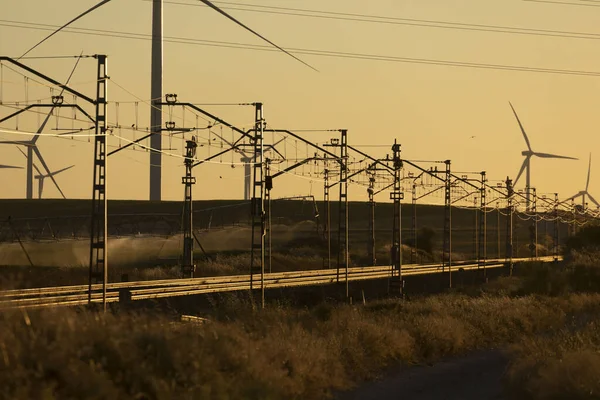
(432, 110)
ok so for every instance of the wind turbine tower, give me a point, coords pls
(585, 192)
(528, 154)
(156, 90)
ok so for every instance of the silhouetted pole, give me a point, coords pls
(396, 281)
(509, 225)
(188, 267)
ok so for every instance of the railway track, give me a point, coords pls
(143, 290)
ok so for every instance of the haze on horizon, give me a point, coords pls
(433, 111)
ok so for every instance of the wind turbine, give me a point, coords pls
(247, 158)
(32, 149)
(41, 176)
(528, 154)
(583, 193)
(156, 87)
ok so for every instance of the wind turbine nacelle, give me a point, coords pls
(526, 153)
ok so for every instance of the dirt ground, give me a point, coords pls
(477, 376)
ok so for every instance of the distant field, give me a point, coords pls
(148, 233)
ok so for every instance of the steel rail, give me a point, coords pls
(78, 295)
(47, 291)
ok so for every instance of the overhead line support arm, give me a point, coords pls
(292, 167)
(319, 148)
(30, 106)
(209, 115)
(48, 79)
(433, 174)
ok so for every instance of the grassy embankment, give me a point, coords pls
(282, 352)
(564, 364)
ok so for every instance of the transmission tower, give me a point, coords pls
(99, 225)
(187, 266)
(447, 246)
(556, 233)
(534, 225)
(268, 232)
(482, 251)
(509, 224)
(343, 258)
(327, 208)
(413, 249)
(371, 241)
(396, 281)
(257, 257)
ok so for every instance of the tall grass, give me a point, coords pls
(564, 364)
(278, 353)
(560, 366)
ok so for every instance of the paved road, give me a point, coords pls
(477, 376)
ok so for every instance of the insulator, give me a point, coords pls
(117, 122)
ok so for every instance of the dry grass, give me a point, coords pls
(561, 366)
(278, 353)
(565, 363)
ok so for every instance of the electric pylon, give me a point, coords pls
(257, 257)
(482, 252)
(396, 281)
(343, 246)
(447, 246)
(509, 224)
(187, 266)
(556, 234)
(99, 225)
(371, 242)
(413, 250)
(533, 227)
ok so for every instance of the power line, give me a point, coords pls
(322, 53)
(563, 3)
(398, 21)
(64, 26)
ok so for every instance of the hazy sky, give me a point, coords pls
(432, 110)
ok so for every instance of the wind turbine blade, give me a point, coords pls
(39, 156)
(61, 170)
(41, 128)
(22, 143)
(521, 126)
(217, 9)
(9, 166)
(34, 166)
(22, 152)
(587, 183)
(37, 136)
(574, 196)
(593, 200)
(521, 170)
(229, 144)
(103, 2)
(546, 155)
